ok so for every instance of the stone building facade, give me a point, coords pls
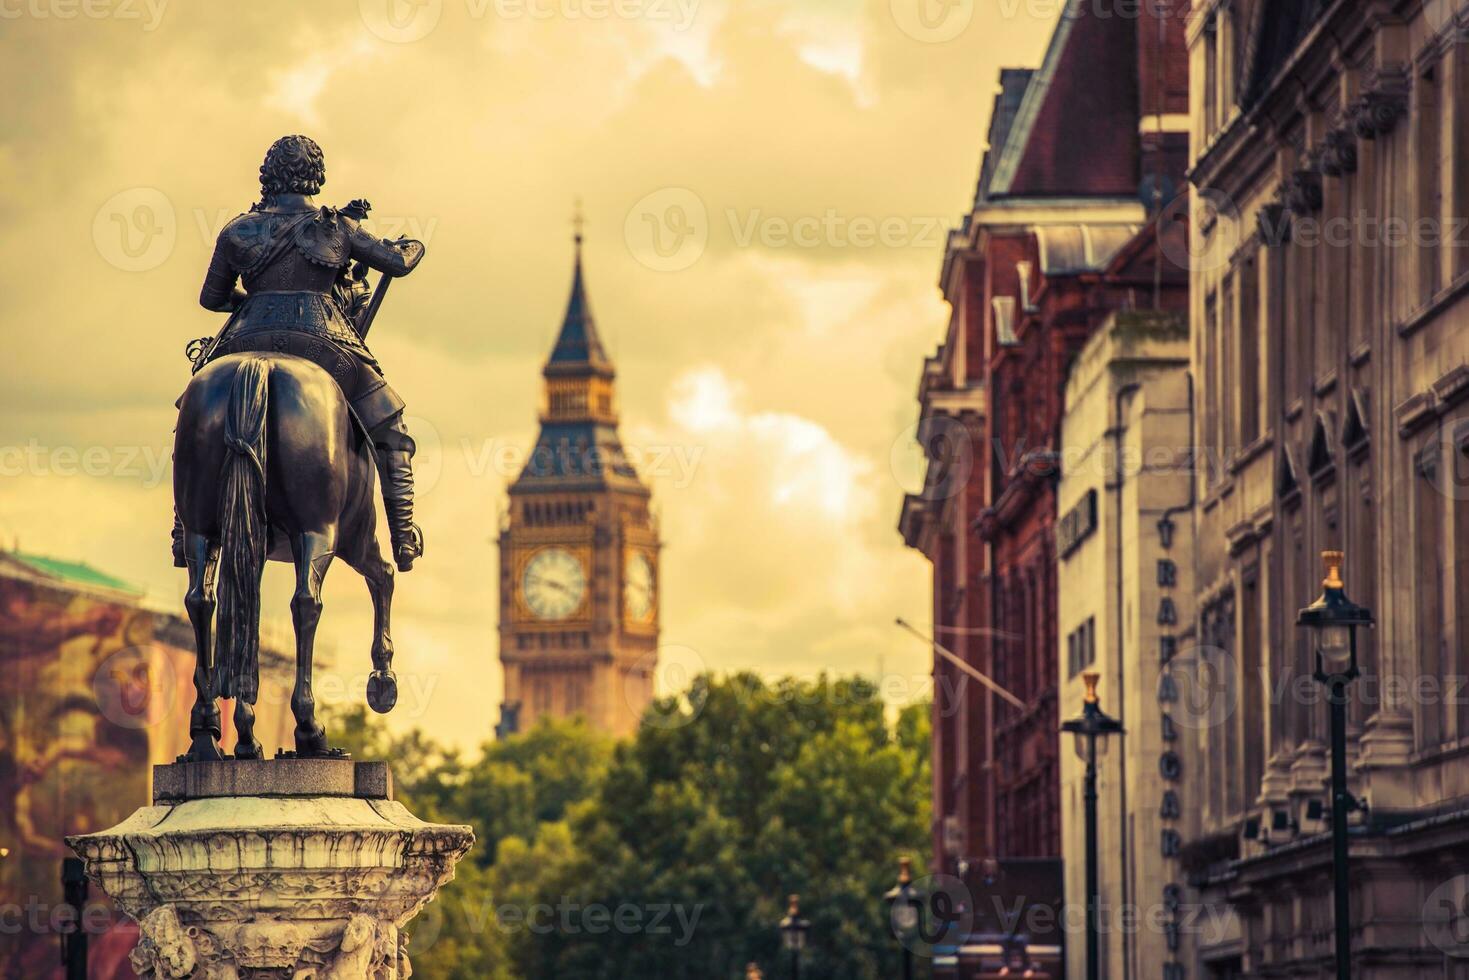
(1049, 248)
(1125, 576)
(1330, 166)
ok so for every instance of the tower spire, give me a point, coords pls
(578, 349)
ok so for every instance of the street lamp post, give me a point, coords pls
(905, 905)
(793, 930)
(1333, 619)
(73, 937)
(1091, 731)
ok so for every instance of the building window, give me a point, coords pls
(1211, 78)
(1253, 699)
(1249, 350)
(1293, 650)
(1457, 483)
(1225, 436)
(1081, 647)
(1361, 551)
(1428, 143)
(1429, 586)
(1305, 283)
(1213, 379)
(1217, 666)
(1004, 307)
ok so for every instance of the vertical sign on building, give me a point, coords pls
(1170, 764)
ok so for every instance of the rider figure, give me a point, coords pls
(300, 297)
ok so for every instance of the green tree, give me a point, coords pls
(670, 855)
(740, 792)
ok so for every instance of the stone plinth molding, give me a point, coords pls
(291, 885)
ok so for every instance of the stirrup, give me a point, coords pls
(409, 548)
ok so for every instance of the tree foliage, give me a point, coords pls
(670, 855)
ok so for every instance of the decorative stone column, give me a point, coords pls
(286, 869)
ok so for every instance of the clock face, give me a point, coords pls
(637, 586)
(554, 584)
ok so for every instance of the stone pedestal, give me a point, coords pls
(292, 869)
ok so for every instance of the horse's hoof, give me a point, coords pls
(204, 748)
(249, 750)
(310, 742)
(382, 691)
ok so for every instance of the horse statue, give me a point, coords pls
(281, 433)
(269, 467)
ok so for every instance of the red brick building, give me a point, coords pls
(1081, 153)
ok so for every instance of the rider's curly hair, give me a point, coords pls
(293, 165)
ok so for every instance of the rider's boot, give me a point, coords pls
(395, 467)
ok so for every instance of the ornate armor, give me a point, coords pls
(293, 264)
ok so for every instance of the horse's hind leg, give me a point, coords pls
(313, 555)
(204, 725)
(382, 684)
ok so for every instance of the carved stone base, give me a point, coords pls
(312, 882)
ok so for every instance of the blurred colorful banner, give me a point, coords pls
(95, 689)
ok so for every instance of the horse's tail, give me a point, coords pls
(243, 532)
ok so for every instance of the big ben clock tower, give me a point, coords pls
(578, 552)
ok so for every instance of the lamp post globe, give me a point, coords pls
(1333, 620)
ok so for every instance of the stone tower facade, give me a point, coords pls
(579, 549)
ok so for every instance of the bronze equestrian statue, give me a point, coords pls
(280, 432)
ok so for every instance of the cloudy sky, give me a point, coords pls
(766, 188)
